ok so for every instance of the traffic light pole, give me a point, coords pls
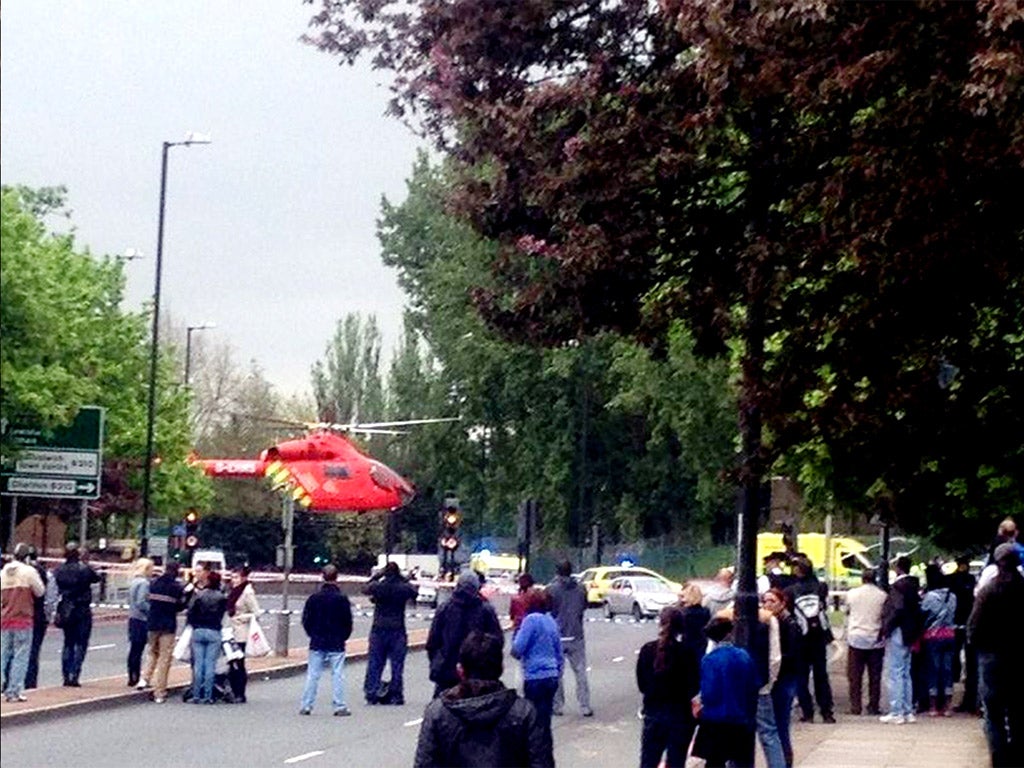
(287, 523)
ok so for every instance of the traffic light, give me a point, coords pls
(451, 519)
(191, 529)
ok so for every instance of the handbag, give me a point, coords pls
(256, 643)
(183, 646)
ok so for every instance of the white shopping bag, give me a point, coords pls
(232, 651)
(183, 647)
(256, 643)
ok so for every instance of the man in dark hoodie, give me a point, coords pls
(327, 619)
(993, 628)
(390, 593)
(74, 582)
(465, 612)
(568, 604)
(480, 722)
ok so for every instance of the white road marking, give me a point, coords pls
(617, 659)
(102, 647)
(306, 756)
(411, 723)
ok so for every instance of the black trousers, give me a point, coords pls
(663, 733)
(857, 660)
(813, 661)
(32, 673)
(718, 743)
(238, 676)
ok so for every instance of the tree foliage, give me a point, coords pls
(581, 427)
(68, 342)
(827, 189)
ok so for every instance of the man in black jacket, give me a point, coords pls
(390, 593)
(327, 619)
(809, 598)
(480, 722)
(41, 618)
(993, 629)
(74, 582)
(464, 612)
(166, 600)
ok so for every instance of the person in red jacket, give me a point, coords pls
(20, 585)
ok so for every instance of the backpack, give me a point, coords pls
(809, 614)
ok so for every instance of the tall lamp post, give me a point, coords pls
(188, 345)
(147, 477)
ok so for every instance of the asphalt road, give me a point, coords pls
(108, 645)
(269, 732)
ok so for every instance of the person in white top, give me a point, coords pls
(1006, 533)
(866, 649)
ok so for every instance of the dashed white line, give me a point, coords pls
(306, 756)
(102, 647)
(411, 723)
(617, 659)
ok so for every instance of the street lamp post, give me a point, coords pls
(147, 476)
(188, 346)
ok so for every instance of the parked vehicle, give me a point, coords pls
(848, 557)
(638, 595)
(598, 580)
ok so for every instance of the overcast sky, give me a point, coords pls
(270, 230)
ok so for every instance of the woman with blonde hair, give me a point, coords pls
(695, 618)
(138, 619)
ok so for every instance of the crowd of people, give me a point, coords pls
(218, 617)
(701, 693)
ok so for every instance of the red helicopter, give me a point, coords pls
(326, 472)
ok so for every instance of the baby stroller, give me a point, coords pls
(221, 690)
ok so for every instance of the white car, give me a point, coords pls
(638, 595)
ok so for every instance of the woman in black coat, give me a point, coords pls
(668, 675)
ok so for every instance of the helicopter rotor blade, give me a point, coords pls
(360, 426)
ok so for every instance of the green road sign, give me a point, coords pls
(66, 462)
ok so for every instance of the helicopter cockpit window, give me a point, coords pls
(336, 470)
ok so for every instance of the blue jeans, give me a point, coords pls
(940, 668)
(768, 732)
(386, 645)
(76, 643)
(315, 668)
(16, 646)
(782, 700)
(900, 691)
(205, 650)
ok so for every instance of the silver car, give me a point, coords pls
(639, 595)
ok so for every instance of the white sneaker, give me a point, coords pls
(892, 718)
(910, 718)
(142, 685)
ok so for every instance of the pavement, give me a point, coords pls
(852, 742)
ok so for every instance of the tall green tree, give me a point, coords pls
(347, 383)
(68, 342)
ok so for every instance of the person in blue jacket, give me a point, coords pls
(728, 701)
(538, 646)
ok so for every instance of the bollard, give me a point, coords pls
(281, 636)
